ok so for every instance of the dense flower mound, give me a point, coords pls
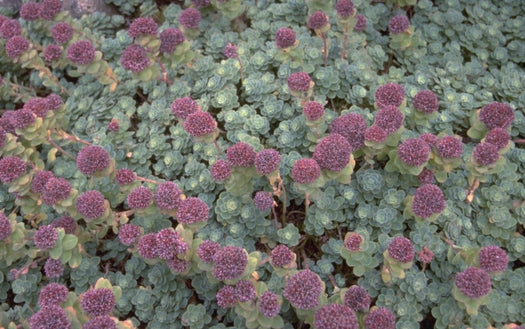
(220, 170)
(200, 123)
(67, 223)
(91, 204)
(147, 246)
(52, 52)
(50, 317)
(245, 291)
(473, 282)
(10, 28)
(11, 168)
(230, 51)
(16, 46)
(390, 94)
(486, 154)
(169, 39)
(357, 298)
(125, 176)
(428, 200)
(332, 152)
(344, 8)
(168, 196)
(361, 23)
(313, 111)
(40, 179)
(5, 227)
(351, 126)
(267, 161)
(425, 101)
(45, 237)
(317, 20)
(182, 107)
(305, 171)
(282, 255)
(303, 289)
(190, 18)
(193, 210)
(496, 115)
(498, 137)
(285, 37)
(493, 259)
(52, 294)
(398, 24)
(299, 81)
(169, 243)
(241, 154)
(139, 198)
(81, 52)
(269, 304)
(53, 268)
(143, 26)
(100, 322)
(207, 250)
(390, 118)
(128, 234)
(335, 316)
(226, 297)
(263, 200)
(380, 318)
(401, 249)
(449, 147)
(30, 11)
(97, 302)
(49, 9)
(135, 58)
(56, 189)
(229, 263)
(414, 152)
(62, 32)
(376, 134)
(353, 242)
(91, 159)
(426, 176)
(430, 139)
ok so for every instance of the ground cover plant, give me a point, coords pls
(263, 164)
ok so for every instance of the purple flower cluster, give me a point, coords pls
(125, 176)
(269, 304)
(473, 282)
(67, 223)
(147, 246)
(220, 170)
(11, 168)
(285, 37)
(23, 118)
(169, 40)
(193, 210)
(267, 161)
(207, 250)
(318, 20)
(334, 315)
(168, 196)
(49, 9)
(357, 298)
(241, 154)
(30, 11)
(16, 46)
(344, 8)
(493, 259)
(498, 137)
(351, 126)
(100, 322)
(91, 159)
(486, 154)
(50, 317)
(81, 52)
(361, 23)
(414, 152)
(5, 227)
(305, 171)
(426, 176)
(190, 18)
(299, 81)
(62, 32)
(390, 94)
(449, 147)
(201, 3)
(178, 265)
(135, 58)
(52, 294)
(353, 242)
(229, 263)
(182, 107)
(425, 101)
(200, 123)
(313, 111)
(390, 118)
(40, 179)
(430, 139)
(52, 52)
(303, 289)
(496, 115)
(245, 291)
(398, 24)
(143, 26)
(169, 244)
(45, 237)
(376, 134)
(263, 200)
(401, 249)
(56, 189)
(97, 302)
(230, 51)
(3, 135)
(226, 297)
(128, 234)
(113, 125)
(380, 318)
(10, 28)
(139, 198)
(282, 255)
(332, 152)
(6, 124)
(91, 204)
(425, 255)
(41, 105)
(53, 268)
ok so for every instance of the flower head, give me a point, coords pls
(128, 234)
(91, 204)
(52, 52)
(169, 39)
(353, 242)
(425, 255)
(450, 147)
(498, 137)
(375, 133)
(357, 298)
(53, 102)
(190, 18)
(6, 122)
(486, 154)
(229, 263)
(305, 171)
(41, 105)
(269, 304)
(425, 101)
(113, 125)
(332, 316)
(318, 20)
(81, 52)
(182, 107)
(16, 46)
(67, 223)
(96, 302)
(267, 161)
(401, 249)
(303, 289)
(226, 297)
(390, 94)
(134, 58)
(398, 24)
(200, 123)
(230, 51)
(52, 294)
(139, 198)
(62, 32)
(193, 210)
(23, 118)
(56, 189)
(241, 154)
(169, 243)
(390, 118)
(313, 111)
(45, 237)
(10, 28)
(473, 282)
(178, 265)
(125, 176)
(285, 37)
(11, 168)
(30, 11)
(168, 196)
(351, 126)
(344, 8)
(430, 139)
(52, 316)
(380, 318)
(147, 246)
(414, 152)
(207, 250)
(143, 26)
(332, 152)
(5, 227)
(299, 81)
(361, 22)
(40, 179)
(49, 8)
(426, 176)
(496, 115)
(282, 255)
(220, 170)
(263, 200)
(53, 268)
(245, 291)
(100, 322)
(91, 159)
(493, 259)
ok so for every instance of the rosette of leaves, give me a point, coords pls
(195, 317)
(230, 9)
(66, 249)
(359, 251)
(252, 313)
